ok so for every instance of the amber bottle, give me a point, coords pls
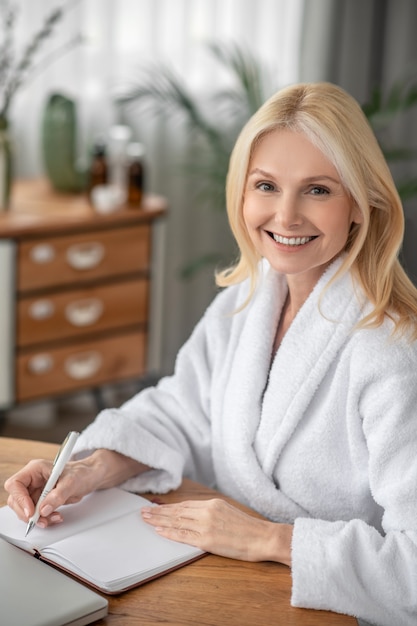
(135, 174)
(99, 167)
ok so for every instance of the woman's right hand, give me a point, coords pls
(102, 469)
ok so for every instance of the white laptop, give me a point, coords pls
(33, 593)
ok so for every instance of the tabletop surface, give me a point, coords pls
(36, 210)
(212, 591)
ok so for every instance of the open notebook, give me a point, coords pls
(103, 541)
(34, 594)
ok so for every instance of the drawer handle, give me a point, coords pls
(85, 256)
(84, 312)
(40, 364)
(41, 309)
(84, 365)
(42, 253)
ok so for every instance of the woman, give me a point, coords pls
(296, 393)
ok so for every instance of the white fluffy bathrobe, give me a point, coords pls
(323, 434)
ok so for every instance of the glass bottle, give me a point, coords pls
(98, 167)
(119, 137)
(135, 174)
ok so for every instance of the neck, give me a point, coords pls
(298, 292)
(287, 316)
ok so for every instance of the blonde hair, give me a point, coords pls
(335, 123)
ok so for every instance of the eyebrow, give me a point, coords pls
(309, 179)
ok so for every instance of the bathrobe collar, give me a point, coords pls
(279, 394)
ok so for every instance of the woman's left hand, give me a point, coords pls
(218, 527)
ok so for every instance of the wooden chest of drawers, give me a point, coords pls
(75, 289)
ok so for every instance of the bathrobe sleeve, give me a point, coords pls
(168, 427)
(349, 566)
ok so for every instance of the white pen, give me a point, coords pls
(60, 461)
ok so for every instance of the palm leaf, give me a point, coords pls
(407, 188)
(214, 123)
(161, 90)
(381, 111)
(248, 73)
(399, 154)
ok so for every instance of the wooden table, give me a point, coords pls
(213, 591)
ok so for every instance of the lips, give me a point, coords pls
(291, 241)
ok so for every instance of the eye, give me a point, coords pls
(264, 186)
(318, 190)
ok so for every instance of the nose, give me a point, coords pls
(287, 213)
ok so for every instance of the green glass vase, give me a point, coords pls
(59, 139)
(6, 164)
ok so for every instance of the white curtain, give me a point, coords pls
(121, 36)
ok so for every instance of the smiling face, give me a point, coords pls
(296, 210)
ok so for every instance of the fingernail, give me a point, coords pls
(56, 519)
(47, 510)
(146, 513)
(26, 512)
(41, 524)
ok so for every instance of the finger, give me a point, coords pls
(66, 491)
(25, 486)
(187, 509)
(190, 514)
(54, 518)
(182, 535)
(60, 495)
(23, 507)
(33, 475)
(168, 517)
(175, 527)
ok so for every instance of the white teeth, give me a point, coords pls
(291, 241)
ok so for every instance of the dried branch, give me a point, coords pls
(13, 75)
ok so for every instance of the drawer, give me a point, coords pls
(57, 261)
(61, 370)
(65, 315)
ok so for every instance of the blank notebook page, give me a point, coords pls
(103, 558)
